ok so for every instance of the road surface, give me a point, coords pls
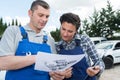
(111, 74)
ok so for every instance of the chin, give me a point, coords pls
(65, 40)
(40, 27)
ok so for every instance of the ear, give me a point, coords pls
(74, 34)
(30, 13)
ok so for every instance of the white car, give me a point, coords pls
(97, 40)
(109, 51)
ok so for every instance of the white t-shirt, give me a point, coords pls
(12, 36)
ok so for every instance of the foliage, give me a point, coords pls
(3, 26)
(56, 34)
(15, 22)
(118, 20)
(103, 23)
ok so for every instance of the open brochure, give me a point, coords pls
(55, 62)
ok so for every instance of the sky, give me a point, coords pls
(18, 9)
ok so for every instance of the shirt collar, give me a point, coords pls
(28, 29)
(77, 36)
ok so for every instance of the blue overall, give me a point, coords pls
(79, 69)
(26, 47)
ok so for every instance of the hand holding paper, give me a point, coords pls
(55, 62)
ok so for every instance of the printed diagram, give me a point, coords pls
(54, 62)
(58, 64)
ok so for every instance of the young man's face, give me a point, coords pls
(39, 18)
(67, 31)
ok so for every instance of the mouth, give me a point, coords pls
(42, 24)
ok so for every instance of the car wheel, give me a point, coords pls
(108, 62)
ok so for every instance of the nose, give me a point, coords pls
(65, 33)
(44, 19)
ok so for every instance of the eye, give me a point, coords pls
(70, 31)
(47, 16)
(63, 28)
(40, 15)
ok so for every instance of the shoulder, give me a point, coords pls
(82, 37)
(12, 29)
(85, 40)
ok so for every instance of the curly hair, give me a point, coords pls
(71, 18)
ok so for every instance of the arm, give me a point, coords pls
(91, 52)
(8, 45)
(15, 62)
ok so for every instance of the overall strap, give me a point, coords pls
(23, 33)
(45, 39)
(77, 41)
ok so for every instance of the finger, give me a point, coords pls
(90, 71)
(97, 68)
(56, 78)
(51, 73)
(59, 74)
(68, 72)
(69, 69)
(68, 75)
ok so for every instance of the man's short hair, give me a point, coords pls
(37, 3)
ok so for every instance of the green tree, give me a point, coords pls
(16, 22)
(13, 23)
(117, 20)
(3, 26)
(93, 29)
(103, 23)
(56, 34)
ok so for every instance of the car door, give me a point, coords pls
(116, 53)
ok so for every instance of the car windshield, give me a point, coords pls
(104, 45)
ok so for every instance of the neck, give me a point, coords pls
(37, 30)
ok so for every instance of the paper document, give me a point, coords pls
(55, 62)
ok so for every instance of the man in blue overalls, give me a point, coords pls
(73, 43)
(19, 45)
